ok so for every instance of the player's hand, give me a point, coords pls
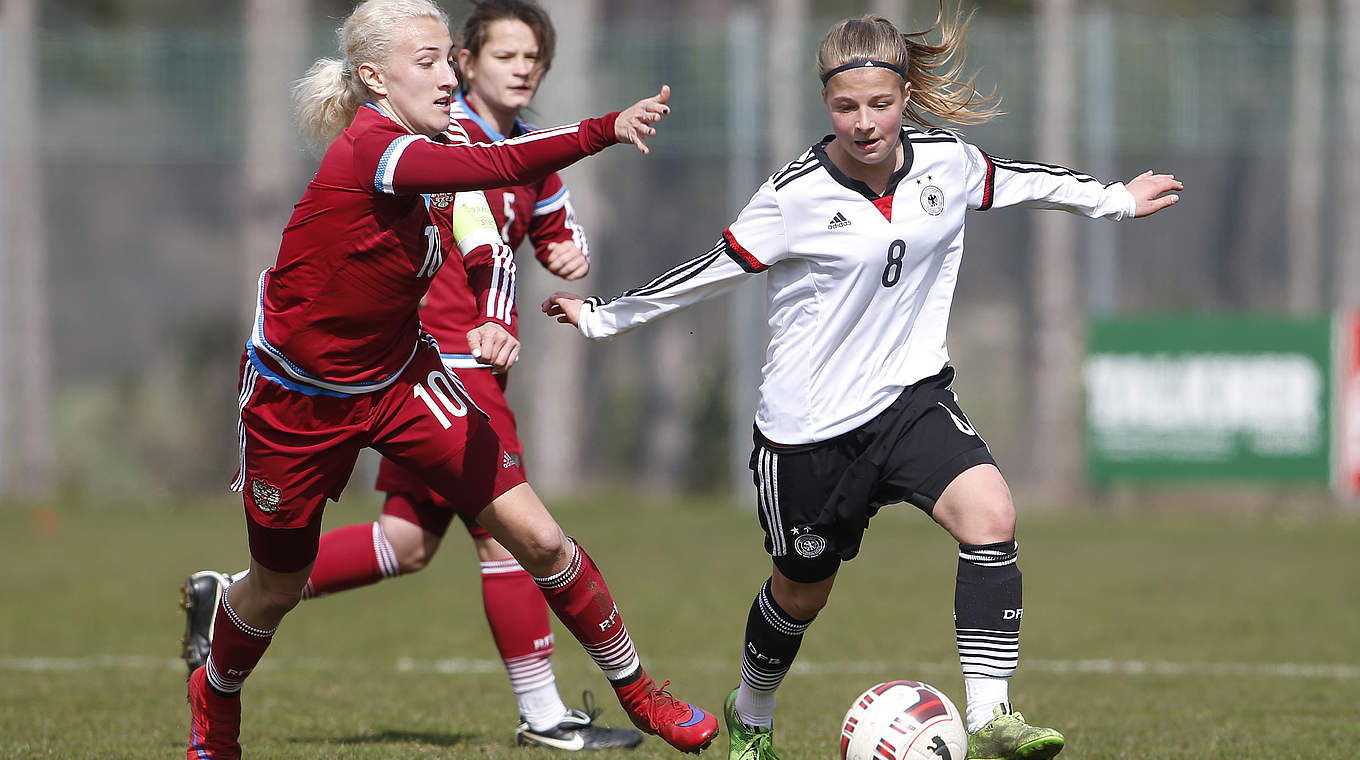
(1148, 189)
(567, 261)
(494, 345)
(565, 306)
(634, 124)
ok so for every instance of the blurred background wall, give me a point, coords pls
(150, 162)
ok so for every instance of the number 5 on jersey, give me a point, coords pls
(509, 199)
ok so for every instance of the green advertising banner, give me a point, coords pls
(1209, 397)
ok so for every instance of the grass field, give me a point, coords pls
(1157, 635)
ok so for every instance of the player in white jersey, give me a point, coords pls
(861, 238)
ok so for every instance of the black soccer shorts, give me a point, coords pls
(815, 500)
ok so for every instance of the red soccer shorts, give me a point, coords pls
(413, 501)
(299, 450)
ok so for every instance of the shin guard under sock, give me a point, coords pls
(350, 557)
(773, 637)
(988, 607)
(236, 648)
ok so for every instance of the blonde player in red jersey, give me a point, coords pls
(861, 241)
(506, 48)
(337, 360)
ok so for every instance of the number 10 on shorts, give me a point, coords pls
(441, 396)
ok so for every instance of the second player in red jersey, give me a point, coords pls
(508, 46)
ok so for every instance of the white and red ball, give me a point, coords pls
(903, 720)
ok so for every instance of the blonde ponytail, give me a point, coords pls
(325, 100)
(937, 89)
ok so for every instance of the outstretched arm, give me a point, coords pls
(417, 164)
(996, 182)
(1149, 190)
(749, 246)
(695, 280)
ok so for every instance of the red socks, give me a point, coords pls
(236, 648)
(349, 557)
(519, 623)
(581, 600)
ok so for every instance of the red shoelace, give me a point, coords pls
(664, 709)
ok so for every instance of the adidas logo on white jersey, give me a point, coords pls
(838, 221)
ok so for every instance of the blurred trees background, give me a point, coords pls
(150, 162)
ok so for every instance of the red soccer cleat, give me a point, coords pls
(686, 727)
(215, 721)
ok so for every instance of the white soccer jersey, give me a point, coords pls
(860, 285)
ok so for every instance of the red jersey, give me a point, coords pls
(540, 209)
(337, 313)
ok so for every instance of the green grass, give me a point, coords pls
(1159, 635)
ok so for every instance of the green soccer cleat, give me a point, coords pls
(1008, 737)
(746, 742)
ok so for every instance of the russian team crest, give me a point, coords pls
(932, 200)
(267, 497)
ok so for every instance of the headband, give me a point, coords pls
(871, 64)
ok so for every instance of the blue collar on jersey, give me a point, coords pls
(490, 131)
(374, 106)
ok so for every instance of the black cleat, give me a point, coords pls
(578, 732)
(199, 597)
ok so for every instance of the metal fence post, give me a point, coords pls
(747, 313)
(27, 361)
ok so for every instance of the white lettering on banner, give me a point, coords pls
(1194, 404)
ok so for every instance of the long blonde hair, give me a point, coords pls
(937, 92)
(330, 93)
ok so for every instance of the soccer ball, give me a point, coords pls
(903, 720)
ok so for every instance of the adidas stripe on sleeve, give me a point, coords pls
(698, 279)
(554, 220)
(995, 182)
(752, 243)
